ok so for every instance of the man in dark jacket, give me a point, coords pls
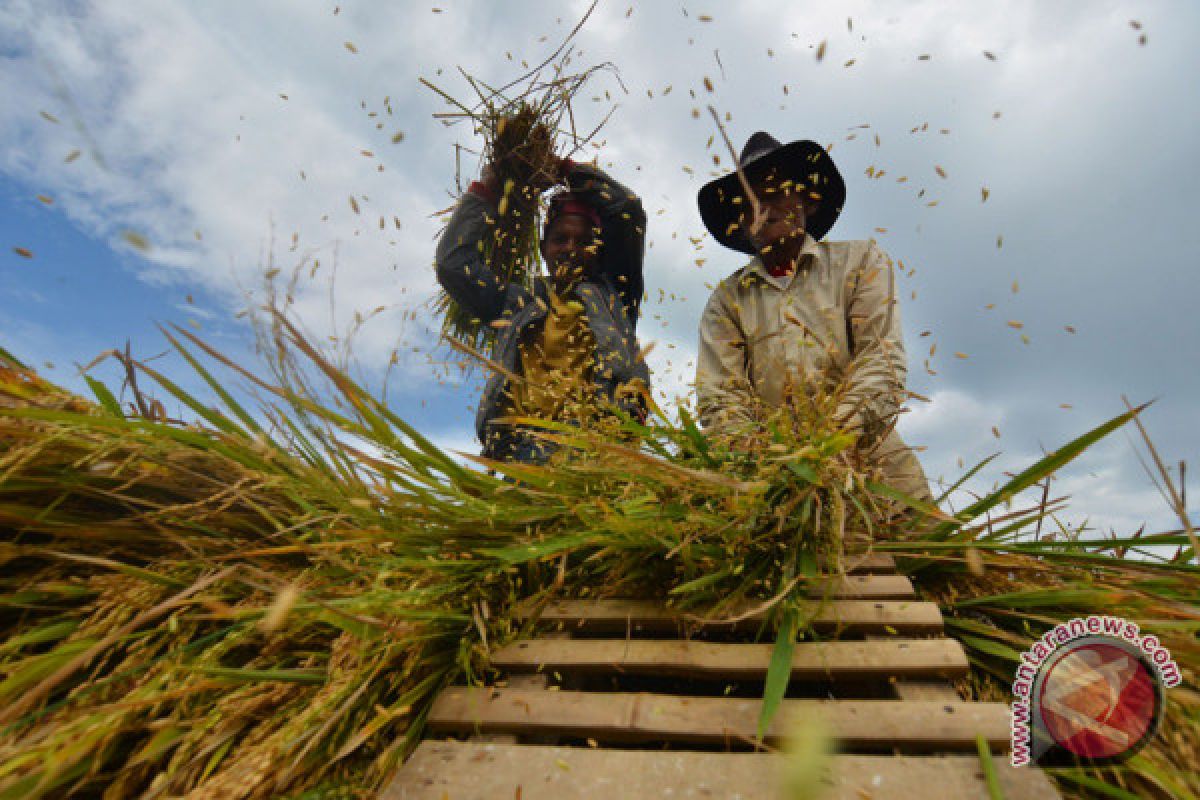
(568, 348)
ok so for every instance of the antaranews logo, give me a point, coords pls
(1089, 690)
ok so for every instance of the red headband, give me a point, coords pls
(568, 203)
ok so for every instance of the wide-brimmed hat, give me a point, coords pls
(804, 162)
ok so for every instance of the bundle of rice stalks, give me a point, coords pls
(263, 603)
(519, 150)
(527, 126)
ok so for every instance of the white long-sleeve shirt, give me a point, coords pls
(835, 318)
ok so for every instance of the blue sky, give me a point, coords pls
(81, 295)
(247, 124)
(76, 292)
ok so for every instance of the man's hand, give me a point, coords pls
(554, 172)
(551, 174)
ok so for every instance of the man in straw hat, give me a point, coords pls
(805, 315)
(567, 350)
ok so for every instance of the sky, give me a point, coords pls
(159, 159)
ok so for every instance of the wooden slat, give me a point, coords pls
(840, 660)
(870, 564)
(524, 681)
(934, 691)
(466, 771)
(867, 587)
(897, 617)
(911, 688)
(628, 717)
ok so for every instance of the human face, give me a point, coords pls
(570, 248)
(784, 215)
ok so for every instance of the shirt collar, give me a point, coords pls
(808, 252)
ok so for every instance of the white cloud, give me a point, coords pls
(190, 135)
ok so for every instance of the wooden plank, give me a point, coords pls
(932, 691)
(525, 681)
(466, 771)
(910, 688)
(867, 587)
(621, 615)
(839, 660)
(870, 564)
(630, 717)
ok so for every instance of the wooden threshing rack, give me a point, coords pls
(613, 704)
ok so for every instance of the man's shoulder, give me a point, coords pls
(738, 280)
(849, 246)
(851, 254)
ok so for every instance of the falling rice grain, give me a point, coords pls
(136, 240)
(277, 614)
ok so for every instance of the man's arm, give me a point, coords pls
(623, 230)
(461, 268)
(878, 368)
(724, 396)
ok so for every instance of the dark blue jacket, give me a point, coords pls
(610, 301)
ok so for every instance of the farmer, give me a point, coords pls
(804, 315)
(568, 349)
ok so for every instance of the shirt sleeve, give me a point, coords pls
(462, 269)
(878, 366)
(624, 231)
(725, 398)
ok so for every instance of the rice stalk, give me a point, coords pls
(145, 649)
(526, 127)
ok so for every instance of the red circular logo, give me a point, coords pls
(1099, 699)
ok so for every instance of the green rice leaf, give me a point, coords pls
(803, 470)
(52, 632)
(1080, 778)
(212, 382)
(779, 670)
(990, 778)
(966, 476)
(991, 648)
(262, 675)
(518, 554)
(1041, 469)
(104, 397)
(703, 582)
(13, 359)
